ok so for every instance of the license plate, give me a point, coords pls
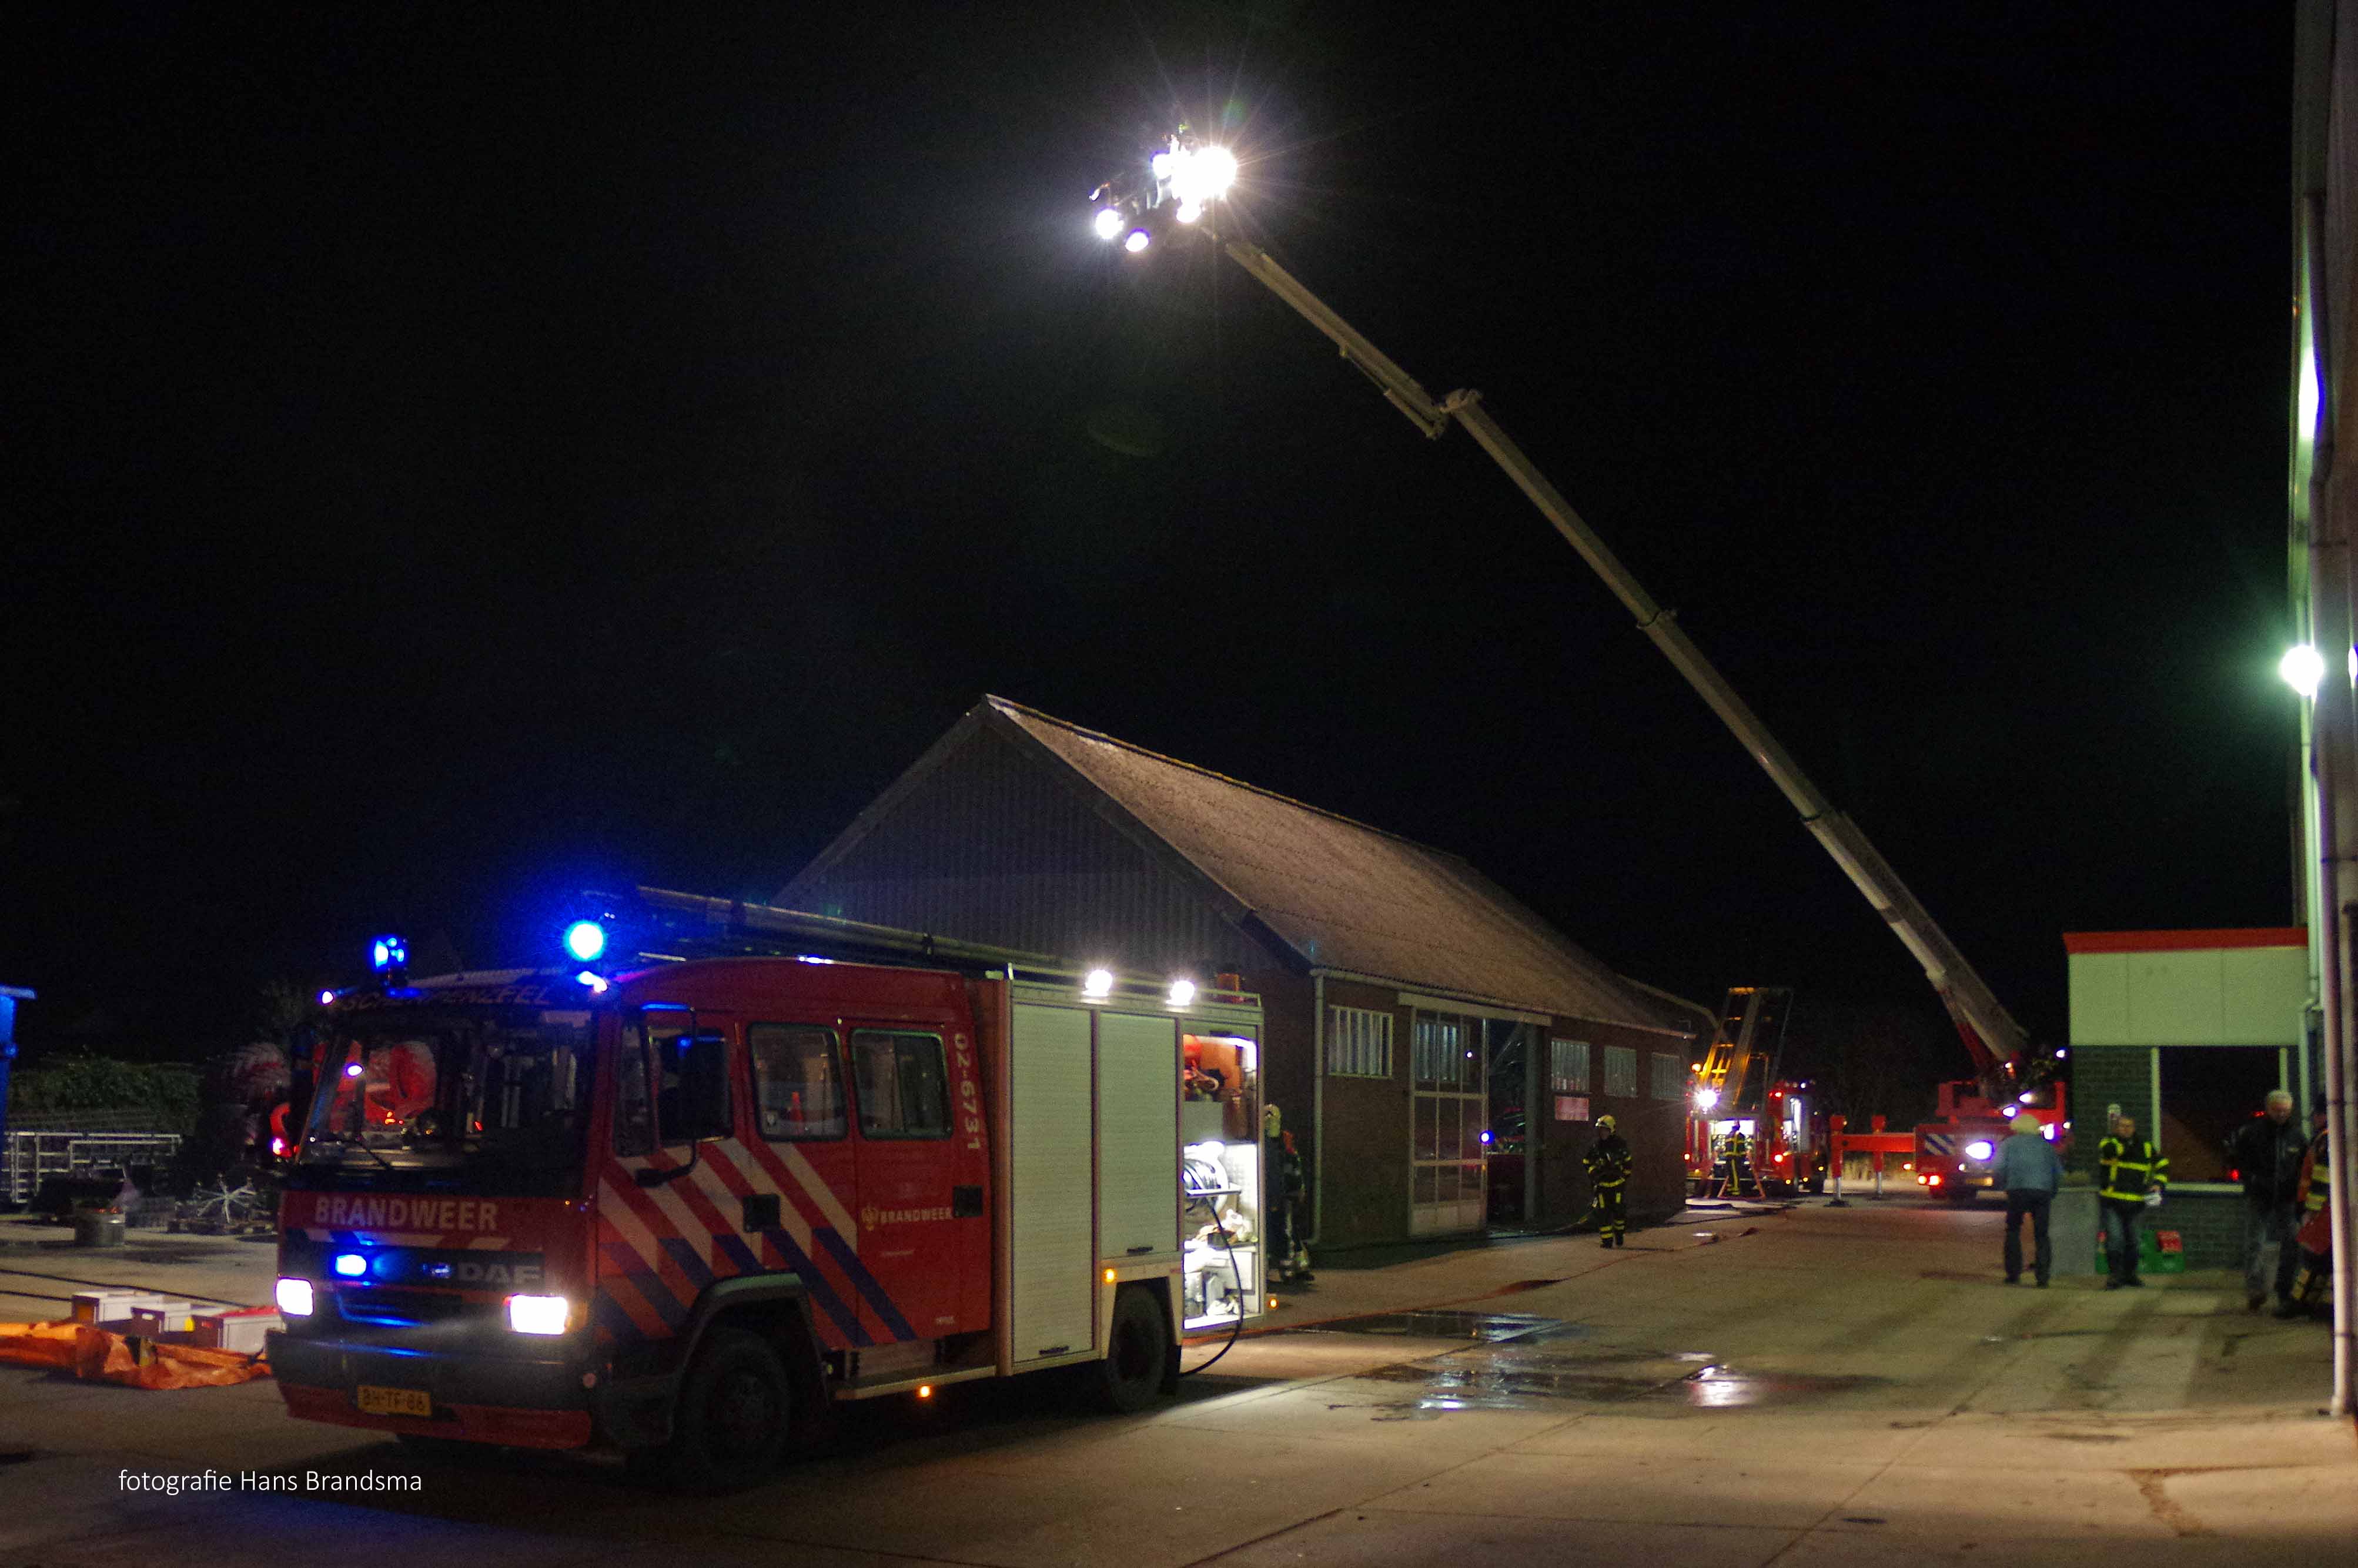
(375, 1401)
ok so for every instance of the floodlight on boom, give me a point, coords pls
(2302, 668)
(1108, 222)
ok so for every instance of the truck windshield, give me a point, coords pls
(449, 1088)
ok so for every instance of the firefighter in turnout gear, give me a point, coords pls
(1608, 1171)
(2130, 1177)
(1735, 1162)
(2314, 1239)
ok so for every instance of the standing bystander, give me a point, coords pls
(2029, 1170)
(2130, 1177)
(2265, 1153)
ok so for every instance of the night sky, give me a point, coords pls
(464, 454)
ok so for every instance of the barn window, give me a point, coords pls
(1358, 1042)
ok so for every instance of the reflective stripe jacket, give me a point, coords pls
(1609, 1162)
(2314, 1178)
(1735, 1146)
(2126, 1170)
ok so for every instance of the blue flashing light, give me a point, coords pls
(1486, 1135)
(350, 1265)
(594, 982)
(585, 940)
(387, 952)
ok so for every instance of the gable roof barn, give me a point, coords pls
(1329, 893)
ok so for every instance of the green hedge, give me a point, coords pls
(167, 1090)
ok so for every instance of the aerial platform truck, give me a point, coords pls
(1737, 1089)
(1182, 195)
(726, 1166)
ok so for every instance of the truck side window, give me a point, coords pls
(798, 1080)
(691, 1069)
(634, 1120)
(903, 1086)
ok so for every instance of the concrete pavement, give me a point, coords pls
(1836, 1387)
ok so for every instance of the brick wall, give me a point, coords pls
(2103, 1075)
(2209, 1227)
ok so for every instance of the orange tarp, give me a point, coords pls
(93, 1353)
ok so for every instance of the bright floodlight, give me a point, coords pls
(1098, 985)
(2302, 667)
(1197, 175)
(1189, 212)
(1139, 240)
(1108, 222)
(1705, 1098)
(1182, 992)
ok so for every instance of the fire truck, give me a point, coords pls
(1956, 1153)
(679, 1207)
(1737, 1089)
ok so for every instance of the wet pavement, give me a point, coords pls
(1845, 1388)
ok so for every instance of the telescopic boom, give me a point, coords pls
(1997, 1042)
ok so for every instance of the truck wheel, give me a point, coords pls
(729, 1428)
(1130, 1376)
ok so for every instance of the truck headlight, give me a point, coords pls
(295, 1297)
(538, 1315)
(1980, 1148)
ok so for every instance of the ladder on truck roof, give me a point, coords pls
(1751, 1029)
(662, 925)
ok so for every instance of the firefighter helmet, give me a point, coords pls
(1604, 1124)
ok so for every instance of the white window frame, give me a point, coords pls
(1620, 1072)
(1670, 1076)
(1568, 1066)
(1358, 1042)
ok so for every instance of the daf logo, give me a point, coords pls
(475, 1274)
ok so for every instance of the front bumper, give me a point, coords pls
(520, 1402)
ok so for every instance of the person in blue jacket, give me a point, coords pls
(2029, 1171)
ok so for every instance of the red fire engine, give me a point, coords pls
(1957, 1151)
(1737, 1090)
(678, 1207)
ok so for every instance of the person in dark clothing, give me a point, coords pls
(1289, 1260)
(2028, 1172)
(1608, 1171)
(2266, 1153)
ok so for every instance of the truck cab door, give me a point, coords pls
(912, 1161)
(802, 1128)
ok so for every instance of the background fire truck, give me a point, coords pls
(1956, 1150)
(1737, 1089)
(678, 1208)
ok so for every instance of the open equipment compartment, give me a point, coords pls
(1222, 1239)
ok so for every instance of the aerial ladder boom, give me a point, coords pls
(1996, 1042)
